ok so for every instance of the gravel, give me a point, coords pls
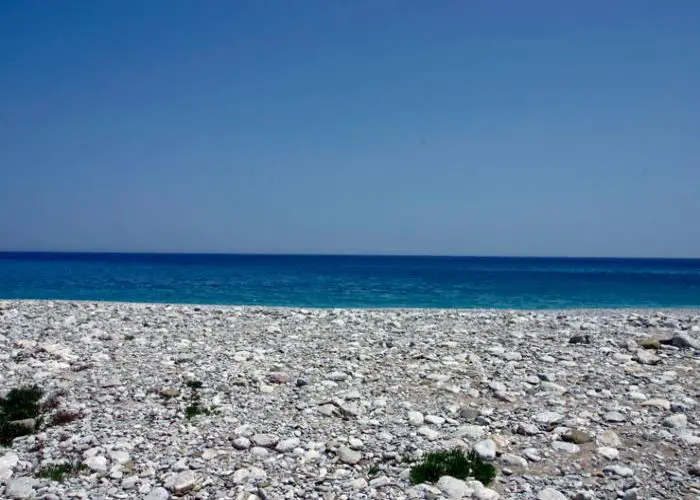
(207, 402)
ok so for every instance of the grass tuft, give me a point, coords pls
(195, 409)
(455, 463)
(60, 472)
(194, 384)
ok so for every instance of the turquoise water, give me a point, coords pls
(350, 281)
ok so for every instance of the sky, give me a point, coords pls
(481, 127)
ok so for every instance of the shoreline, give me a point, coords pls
(249, 403)
(581, 310)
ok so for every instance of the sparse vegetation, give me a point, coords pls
(455, 463)
(374, 470)
(60, 472)
(20, 413)
(195, 409)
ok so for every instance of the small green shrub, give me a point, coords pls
(19, 404)
(374, 470)
(22, 403)
(194, 384)
(455, 463)
(195, 409)
(60, 472)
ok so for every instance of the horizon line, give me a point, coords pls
(303, 254)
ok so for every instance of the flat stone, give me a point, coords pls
(526, 429)
(337, 376)
(21, 488)
(96, 463)
(265, 440)
(348, 455)
(486, 449)
(350, 409)
(532, 454)
(9, 460)
(359, 484)
(471, 432)
(287, 445)
(430, 434)
(356, 444)
(647, 357)
(609, 438)
(550, 494)
(170, 392)
(677, 421)
(415, 418)
(618, 470)
(241, 443)
(119, 456)
(481, 492)
(690, 439)
(454, 488)
(577, 437)
(130, 482)
(608, 452)
(182, 482)
(434, 420)
(565, 447)
(379, 482)
(513, 460)
(158, 493)
(548, 417)
(658, 403)
(259, 453)
(614, 417)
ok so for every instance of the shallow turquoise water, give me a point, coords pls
(350, 281)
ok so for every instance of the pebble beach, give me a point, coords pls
(209, 402)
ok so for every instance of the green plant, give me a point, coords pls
(455, 463)
(374, 470)
(195, 409)
(194, 384)
(59, 472)
(18, 405)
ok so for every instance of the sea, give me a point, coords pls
(353, 281)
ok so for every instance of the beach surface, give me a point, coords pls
(166, 401)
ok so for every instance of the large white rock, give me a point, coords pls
(486, 449)
(21, 488)
(454, 488)
(550, 494)
(157, 494)
(97, 463)
(348, 455)
(415, 418)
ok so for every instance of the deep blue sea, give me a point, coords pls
(353, 281)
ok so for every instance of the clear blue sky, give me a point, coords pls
(368, 126)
